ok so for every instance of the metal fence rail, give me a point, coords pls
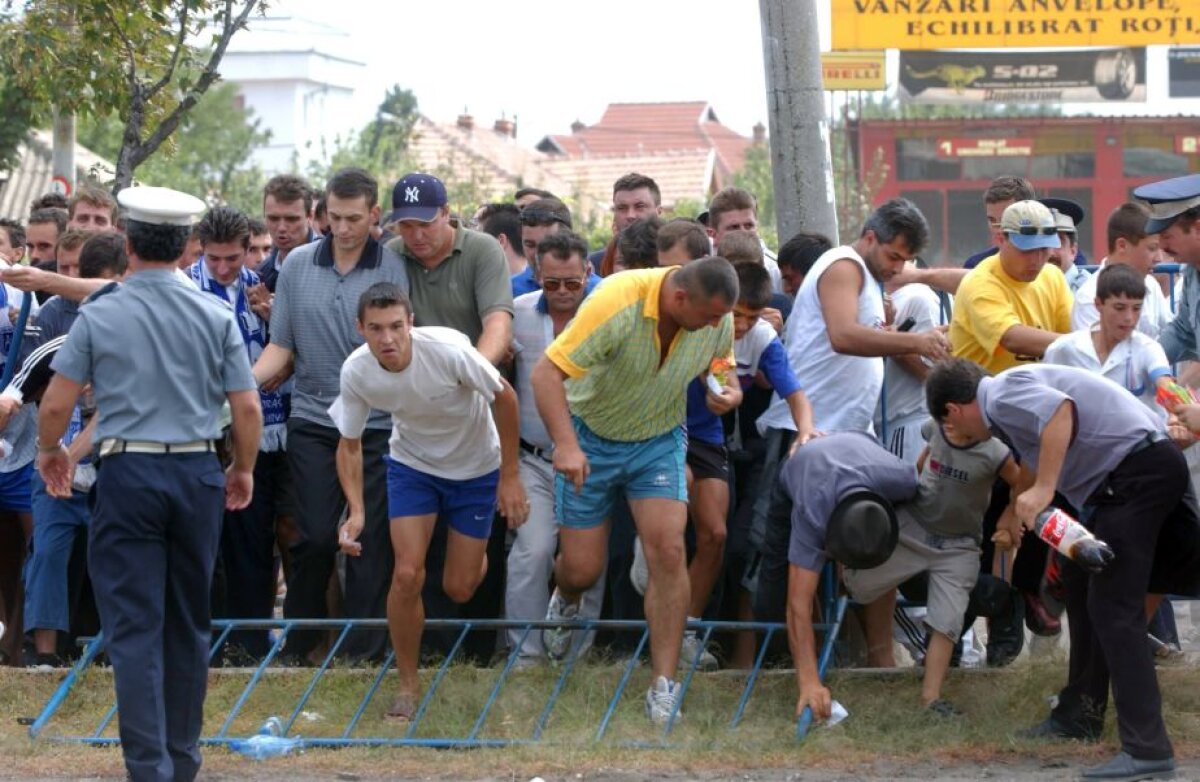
(349, 733)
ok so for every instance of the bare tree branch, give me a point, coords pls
(180, 45)
(131, 73)
(207, 77)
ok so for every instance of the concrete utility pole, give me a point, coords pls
(800, 159)
(64, 152)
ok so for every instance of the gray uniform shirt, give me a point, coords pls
(825, 470)
(314, 316)
(462, 290)
(161, 357)
(1178, 338)
(954, 489)
(1109, 421)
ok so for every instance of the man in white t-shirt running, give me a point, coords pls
(450, 459)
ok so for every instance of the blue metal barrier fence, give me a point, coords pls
(350, 735)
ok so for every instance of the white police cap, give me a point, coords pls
(159, 205)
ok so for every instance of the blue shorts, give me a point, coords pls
(16, 491)
(640, 470)
(467, 506)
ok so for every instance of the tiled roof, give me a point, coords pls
(498, 165)
(681, 175)
(495, 161)
(650, 128)
(34, 172)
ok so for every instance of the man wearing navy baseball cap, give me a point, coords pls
(459, 277)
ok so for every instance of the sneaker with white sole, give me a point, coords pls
(662, 700)
(557, 640)
(639, 573)
(693, 646)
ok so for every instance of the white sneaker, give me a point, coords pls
(557, 640)
(693, 647)
(639, 573)
(662, 700)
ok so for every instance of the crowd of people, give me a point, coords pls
(451, 415)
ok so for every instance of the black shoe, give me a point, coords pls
(1051, 728)
(943, 709)
(1126, 767)
(1006, 632)
(45, 661)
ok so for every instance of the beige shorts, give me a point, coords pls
(951, 562)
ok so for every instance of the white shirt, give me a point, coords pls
(1156, 311)
(441, 421)
(903, 395)
(1134, 364)
(842, 389)
(533, 331)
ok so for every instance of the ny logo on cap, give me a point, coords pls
(412, 195)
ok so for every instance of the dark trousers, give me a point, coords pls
(1149, 491)
(153, 540)
(771, 532)
(319, 502)
(244, 587)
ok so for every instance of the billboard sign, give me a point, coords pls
(1069, 76)
(960, 24)
(1183, 72)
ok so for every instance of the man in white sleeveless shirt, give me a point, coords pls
(836, 338)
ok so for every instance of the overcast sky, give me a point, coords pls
(552, 61)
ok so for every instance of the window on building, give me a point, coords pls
(1148, 161)
(930, 202)
(966, 225)
(917, 160)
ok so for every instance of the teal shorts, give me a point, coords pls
(638, 470)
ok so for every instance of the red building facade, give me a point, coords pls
(945, 165)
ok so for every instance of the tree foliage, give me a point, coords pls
(16, 120)
(135, 59)
(380, 147)
(212, 156)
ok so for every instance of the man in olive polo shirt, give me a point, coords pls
(459, 277)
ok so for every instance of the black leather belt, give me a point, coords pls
(541, 453)
(1151, 438)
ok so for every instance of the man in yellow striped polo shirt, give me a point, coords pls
(612, 391)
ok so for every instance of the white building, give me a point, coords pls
(299, 78)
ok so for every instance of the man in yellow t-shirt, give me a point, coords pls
(612, 391)
(1013, 305)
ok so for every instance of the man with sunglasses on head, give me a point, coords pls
(1013, 305)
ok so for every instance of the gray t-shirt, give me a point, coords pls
(954, 489)
(1109, 421)
(825, 470)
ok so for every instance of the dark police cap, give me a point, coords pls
(1168, 199)
(1065, 207)
(862, 531)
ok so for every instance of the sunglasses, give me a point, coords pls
(1033, 230)
(552, 284)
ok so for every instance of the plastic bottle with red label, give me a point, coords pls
(1073, 540)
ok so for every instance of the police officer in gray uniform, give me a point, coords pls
(162, 358)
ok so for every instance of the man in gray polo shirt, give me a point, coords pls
(1108, 457)
(313, 321)
(833, 501)
(459, 277)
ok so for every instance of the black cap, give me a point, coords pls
(862, 530)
